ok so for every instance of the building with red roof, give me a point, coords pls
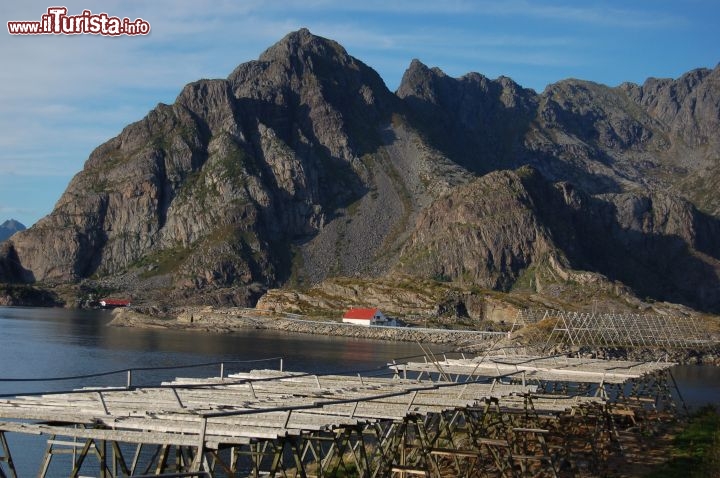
(365, 317)
(112, 303)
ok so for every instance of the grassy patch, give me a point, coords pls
(235, 163)
(164, 261)
(526, 281)
(696, 450)
(201, 186)
(297, 264)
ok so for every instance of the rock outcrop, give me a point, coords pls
(486, 233)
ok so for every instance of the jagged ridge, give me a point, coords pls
(302, 165)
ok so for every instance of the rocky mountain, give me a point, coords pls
(10, 227)
(513, 229)
(302, 166)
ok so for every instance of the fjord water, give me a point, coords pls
(49, 343)
(38, 343)
(43, 343)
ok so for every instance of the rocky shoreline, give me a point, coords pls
(226, 320)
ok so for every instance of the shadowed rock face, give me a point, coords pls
(687, 106)
(301, 165)
(477, 121)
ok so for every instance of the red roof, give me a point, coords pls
(363, 314)
(117, 302)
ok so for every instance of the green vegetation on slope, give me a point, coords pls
(696, 450)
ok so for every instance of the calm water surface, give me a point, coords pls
(38, 343)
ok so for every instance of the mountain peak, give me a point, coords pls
(300, 43)
(10, 227)
(327, 93)
(418, 80)
(417, 66)
(302, 53)
(13, 223)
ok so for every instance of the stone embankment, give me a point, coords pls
(224, 320)
(235, 319)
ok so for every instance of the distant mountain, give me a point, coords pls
(10, 227)
(303, 166)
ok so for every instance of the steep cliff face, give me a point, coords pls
(164, 183)
(687, 106)
(477, 121)
(10, 268)
(661, 135)
(302, 166)
(660, 245)
(688, 109)
(510, 230)
(656, 243)
(485, 233)
(313, 94)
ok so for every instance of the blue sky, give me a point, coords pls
(61, 96)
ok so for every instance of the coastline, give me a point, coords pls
(208, 319)
(234, 319)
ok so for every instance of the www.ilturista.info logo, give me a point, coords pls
(57, 22)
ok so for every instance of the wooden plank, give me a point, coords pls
(492, 442)
(452, 452)
(123, 436)
(531, 430)
(408, 470)
(578, 370)
(148, 414)
(71, 444)
(183, 427)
